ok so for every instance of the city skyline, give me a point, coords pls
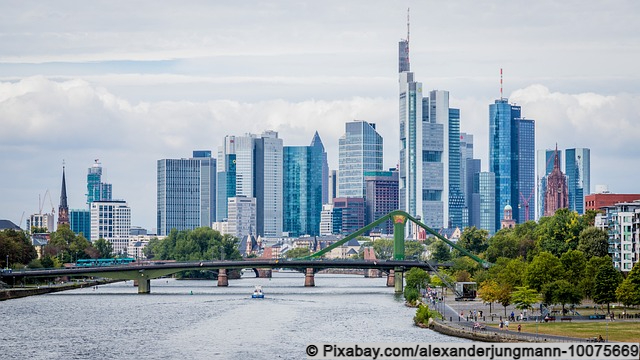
(73, 90)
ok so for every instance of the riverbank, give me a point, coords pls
(16, 293)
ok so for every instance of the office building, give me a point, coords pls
(268, 184)
(349, 214)
(599, 201)
(80, 222)
(360, 150)
(44, 222)
(242, 216)
(472, 167)
(186, 191)
(578, 171)
(326, 220)
(381, 198)
(484, 195)
(333, 186)
(304, 184)
(96, 189)
(111, 220)
(526, 170)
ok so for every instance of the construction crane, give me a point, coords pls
(525, 202)
(41, 202)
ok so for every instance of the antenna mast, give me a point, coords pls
(501, 97)
(408, 25)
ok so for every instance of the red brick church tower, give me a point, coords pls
(557, 195)
(63, 209)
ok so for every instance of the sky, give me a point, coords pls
(130, 83)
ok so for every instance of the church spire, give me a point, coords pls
(63, 209)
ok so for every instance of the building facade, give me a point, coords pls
(381, 198)
(350, 213)
(600, 201)
(186, 191)
(41, 221)
(80, 221)
(304, 170)
(269, 184)
(485, 195)
(557, 195)
(111, 220)
(242, 216)
(544, 167)
(622, 222)
(96, 189)
(578, 171)
(360, 150)
(526, 205)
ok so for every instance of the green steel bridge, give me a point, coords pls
(143, 273)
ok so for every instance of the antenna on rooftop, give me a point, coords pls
(501, 84)
(408, 25)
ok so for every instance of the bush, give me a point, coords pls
(423, 314)
(411, 295)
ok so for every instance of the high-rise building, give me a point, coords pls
(242, 219)
(326, 220)
(381, 197)
(96, 189)
(511, 152)
(80, 220)
(40, 221)
(111, 220)
(466, 153)
(304, 169)
(186, 193)
(472, 167)
(622, 222)
(578, 171)
(268, 183)
(63, 209)
(526, 170)
(360, 150)
(333, 186)
(316, 143)
(455, 194)
(557, 195)
(485, 193)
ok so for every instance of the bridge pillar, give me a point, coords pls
(390, 279)
(223, 280)
(398, 280)
(309, 279)
(144, 285)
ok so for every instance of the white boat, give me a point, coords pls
(257, 292)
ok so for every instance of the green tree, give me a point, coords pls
(440, 252)
(606, 283)
(383, 248)
(489, 292)
(523, 297)
(417, 278)
(17, 246)
(560, 232)
(104, 248)
(593, 242)
(411, 295)
(413, 250)
(564, 293)
(474, 240)
(545, 268)
(503, 244)
(574, 264)
(297, 252)
(504, 297)
(587, 284)
(628, 292)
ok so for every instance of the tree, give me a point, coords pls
(545, 268)
(574, 264)
(17, 246)
(413, 249)
(628, 292)
(504, 297)
(606, 283)
(104, 248)
(440, 252)
(560, 232)
(489, 292)
(417, 278)
(502, 244)
(587, 284)
(383, 248)
(474, 240)
(564, 293)
(593, 242)
(463, 276)
(297, 252)
(523, 297)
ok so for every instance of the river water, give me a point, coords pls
(195, 319)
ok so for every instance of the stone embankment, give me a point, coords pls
(15, 293)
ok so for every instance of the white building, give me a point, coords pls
(40, 221)
(111, 220)
(622, 222)
(326, 220)
(242, 216)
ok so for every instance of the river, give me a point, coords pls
(195, 319)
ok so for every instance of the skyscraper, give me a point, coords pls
(96, 189)
(455, 194)
(525, 209)
(304, 169)
(484, 191)
(578, 171)
(235, 171)
(80, 222)
(268, 183)
(360, 150)
(512, 159)
(186, 193)
(63, 209)
(242, 216)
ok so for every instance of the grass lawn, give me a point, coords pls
(626, 331)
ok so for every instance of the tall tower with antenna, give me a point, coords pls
(63, 209)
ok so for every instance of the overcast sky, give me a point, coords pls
(133, 82)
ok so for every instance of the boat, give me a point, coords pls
(257, 292)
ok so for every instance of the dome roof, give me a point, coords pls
(508, 207)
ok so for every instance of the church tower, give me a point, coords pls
(557, 195)
(63, 209)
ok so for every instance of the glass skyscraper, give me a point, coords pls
(511, 159)
(80, 222)
(484, 191)
(96, 189)
(186, 193)
(304, 177)
(456, 195)
(360, 150)
(578, 171)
